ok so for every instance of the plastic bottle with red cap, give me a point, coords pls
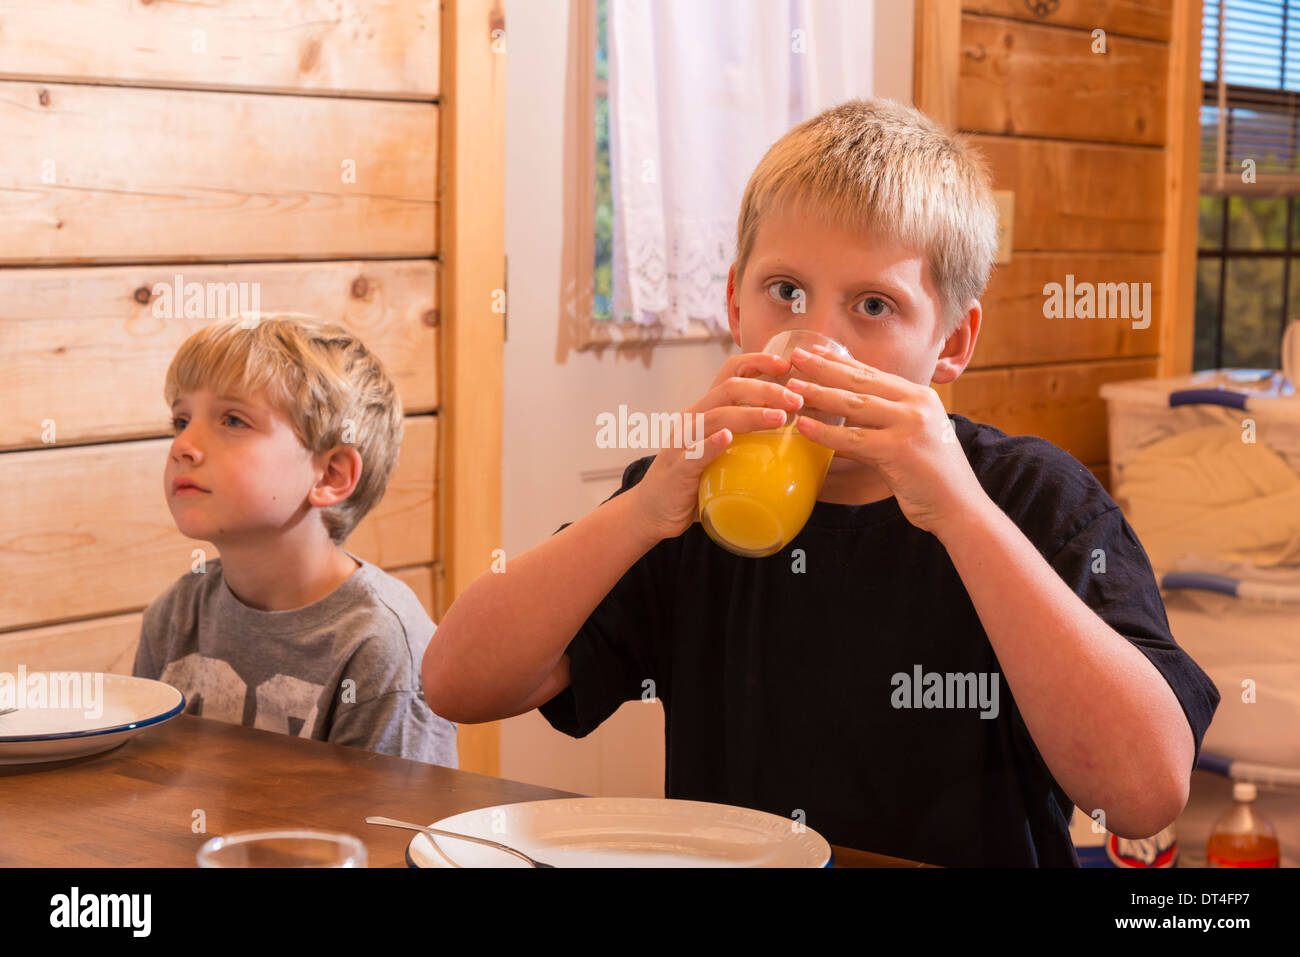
(1242, 837)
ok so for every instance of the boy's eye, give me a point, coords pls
(875, 307)
(178, 423)
(784, 287)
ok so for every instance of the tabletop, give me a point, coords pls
(154, 800)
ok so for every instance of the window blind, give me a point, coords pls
(1250, 77)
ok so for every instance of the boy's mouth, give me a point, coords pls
(186, 486)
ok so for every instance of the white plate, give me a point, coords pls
(623, 832)
(120, 709)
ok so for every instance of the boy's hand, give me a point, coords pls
(669, 495)
(899, 428)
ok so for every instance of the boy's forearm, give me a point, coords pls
(504, 634)
(1102, 716)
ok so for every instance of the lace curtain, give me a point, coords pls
(698, 91)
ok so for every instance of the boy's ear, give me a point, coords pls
(341, 470)
(733, 305)
(959, 348)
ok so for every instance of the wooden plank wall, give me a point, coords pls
(294, 145)
(1081, 138)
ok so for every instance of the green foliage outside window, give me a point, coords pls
(1250, 288)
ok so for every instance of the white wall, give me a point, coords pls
(551, 403)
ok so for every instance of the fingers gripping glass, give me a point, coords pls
(757, 495)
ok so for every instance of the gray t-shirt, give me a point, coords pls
(344, 669)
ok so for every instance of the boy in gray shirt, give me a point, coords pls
(286, 433)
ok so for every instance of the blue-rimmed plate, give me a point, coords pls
(69, 714)
(623, 832)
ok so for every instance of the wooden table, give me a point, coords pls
(139, 805)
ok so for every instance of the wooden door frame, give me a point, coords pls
(936, 64)
(472, 210)
(1182, 187)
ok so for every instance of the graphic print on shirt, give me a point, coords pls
(213, 689)
(288, 705)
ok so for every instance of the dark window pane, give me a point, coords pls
(1252, 313)
(1207, 313)
(1210, 222)
(1257, 223)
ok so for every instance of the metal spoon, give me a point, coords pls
(390, 822)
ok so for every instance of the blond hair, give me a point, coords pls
(884, 169)
(320, 377)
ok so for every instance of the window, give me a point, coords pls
(588, 258)
(1248, 277)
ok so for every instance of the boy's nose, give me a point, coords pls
(823, 324)
(184, 446)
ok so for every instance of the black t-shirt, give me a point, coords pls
(778, 682)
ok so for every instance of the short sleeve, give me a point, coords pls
(381, 706)
(612, 657)
(1107, 567)
(399, 723)
(144, 666)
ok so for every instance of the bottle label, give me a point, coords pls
(1159, 850)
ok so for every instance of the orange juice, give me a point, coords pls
(1242, 850)
(757, 495)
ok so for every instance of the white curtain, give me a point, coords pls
(698, 90)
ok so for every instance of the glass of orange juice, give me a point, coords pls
(756, 496)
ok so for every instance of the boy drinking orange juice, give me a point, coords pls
(966, 637)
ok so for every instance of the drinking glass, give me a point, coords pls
(283, 849)
(757, 495)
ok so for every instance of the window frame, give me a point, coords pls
(1224, 253)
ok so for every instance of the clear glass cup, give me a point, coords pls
(757, 495)
(283, 849)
